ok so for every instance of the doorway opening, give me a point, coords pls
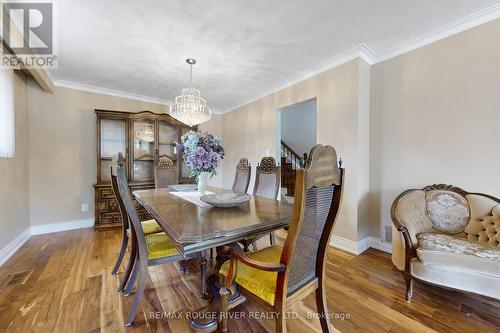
(295, 136)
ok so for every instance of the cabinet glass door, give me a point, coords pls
(112, 141)
(143, 149)
(167, 136)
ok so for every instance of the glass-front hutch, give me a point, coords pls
(144, 139)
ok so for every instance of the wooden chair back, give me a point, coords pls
(318, 194)
(128, 203)
(267, 178)
(165, 173)
(242, 176)
(120, 161)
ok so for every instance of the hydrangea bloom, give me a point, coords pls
(202, 152)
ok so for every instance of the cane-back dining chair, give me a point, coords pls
(153, 249)
(148, 227)
(276, 277)
(242, 176)
(165, 173)
(267, 184)
(267, 178)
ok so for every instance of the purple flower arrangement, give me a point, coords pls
(202, 152)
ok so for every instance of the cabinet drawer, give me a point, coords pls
(105, 193)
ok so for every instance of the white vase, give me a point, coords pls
(202, 182)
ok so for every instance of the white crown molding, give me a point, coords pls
(116, 93)
(61, 226)
(110, 92)
(7, 252)
(361, 51)
(453, 28)
(367, 54)
(361, 246)
(216, 111)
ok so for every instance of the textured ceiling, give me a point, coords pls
(243, 48)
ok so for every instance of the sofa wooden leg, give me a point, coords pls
(409, 286)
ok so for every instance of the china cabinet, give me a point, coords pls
(144, 138)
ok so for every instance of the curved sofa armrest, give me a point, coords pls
(409, 218)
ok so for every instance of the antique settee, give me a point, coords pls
(448, 237)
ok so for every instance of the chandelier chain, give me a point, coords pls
(190, 75)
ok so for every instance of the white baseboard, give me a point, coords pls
(13, 246)
(61, 226)
(348, 245)
(378, 244)
(360, 246)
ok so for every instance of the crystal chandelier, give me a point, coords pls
(189, 107)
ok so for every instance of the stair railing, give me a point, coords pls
(298, 162)
(290, 163)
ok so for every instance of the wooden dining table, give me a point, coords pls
(195, 227)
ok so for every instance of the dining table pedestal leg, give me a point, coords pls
(207, 318)
(203, 269)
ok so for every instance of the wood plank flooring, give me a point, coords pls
(66, 286)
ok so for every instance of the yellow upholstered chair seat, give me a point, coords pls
(260, 283)
(148, 227)
(159, 246)
(151, 227)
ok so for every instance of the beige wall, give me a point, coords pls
(250, 131)
(363, 150)
(436, 118)
(14, 172)
(63, 150)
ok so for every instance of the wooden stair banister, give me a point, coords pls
(291, 161)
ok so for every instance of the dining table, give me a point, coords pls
(195, 226)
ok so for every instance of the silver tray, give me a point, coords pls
(225, 200)
(184, 187)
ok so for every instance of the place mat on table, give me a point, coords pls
(193, 197)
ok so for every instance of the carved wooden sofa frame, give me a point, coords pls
(410, 247)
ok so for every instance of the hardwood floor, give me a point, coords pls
(66, 286)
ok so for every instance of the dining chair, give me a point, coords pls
(242, 176)
(267, 183)
(148, 227)
(151, 250)
(165, 173)
(277, 277)
(267, 178)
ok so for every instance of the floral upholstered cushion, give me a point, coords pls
(451, 250)
(457, 245)
(448, 211)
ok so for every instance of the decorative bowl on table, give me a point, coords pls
(184, 187)
(225, 200)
